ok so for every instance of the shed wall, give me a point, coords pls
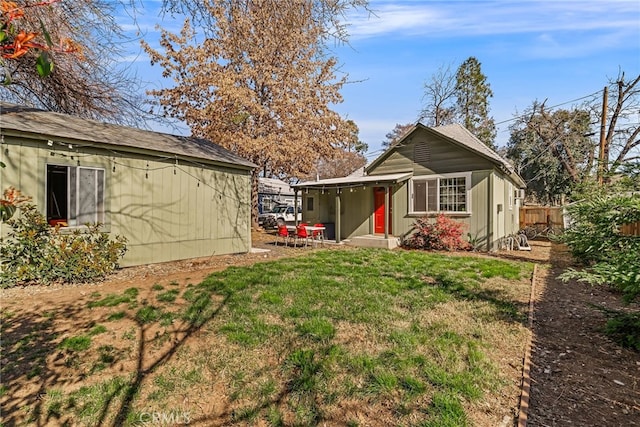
(166, 212)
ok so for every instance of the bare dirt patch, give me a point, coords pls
(578, 375)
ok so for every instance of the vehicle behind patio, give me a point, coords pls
(280, 214)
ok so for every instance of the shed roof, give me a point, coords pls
(26, 121)
(274, 186)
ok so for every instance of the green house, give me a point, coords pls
(429, 171)
(172, 197)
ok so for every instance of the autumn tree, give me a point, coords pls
(439, 98)
(396, 134)
(343, 161)
(257, 82)
(473, 93)
(88, 83)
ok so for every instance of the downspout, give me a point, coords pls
(337, 215)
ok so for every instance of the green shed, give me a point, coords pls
(427, 172)
(172, 197)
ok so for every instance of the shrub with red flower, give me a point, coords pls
(10, 201)
(442, 234)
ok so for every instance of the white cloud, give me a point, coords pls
(468, 18)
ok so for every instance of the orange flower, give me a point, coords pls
(13, 197)
(21, 45)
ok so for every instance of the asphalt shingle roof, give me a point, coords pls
(51, 125)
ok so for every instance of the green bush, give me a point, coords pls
(624, 328)
(35, 252)
(595, 240)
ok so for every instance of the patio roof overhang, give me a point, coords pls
(354, 181)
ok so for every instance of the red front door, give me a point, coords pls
(378, 216)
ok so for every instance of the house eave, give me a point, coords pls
(354, 181)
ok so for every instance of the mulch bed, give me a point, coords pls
(578, 375)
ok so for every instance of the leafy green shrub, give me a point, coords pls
(624, 328)
(443, 234)
(35, 252)
(594, 239)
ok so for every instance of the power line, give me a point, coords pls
(554, 106)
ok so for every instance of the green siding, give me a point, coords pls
(355, 210)
(164, 216)
(445, 157)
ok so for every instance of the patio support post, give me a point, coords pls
(337, 215)
(386, 211)
(295, 205)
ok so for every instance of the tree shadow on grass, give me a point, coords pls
(506, 308)
(43, 351)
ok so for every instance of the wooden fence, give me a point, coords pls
(537, 215)
(632, 229)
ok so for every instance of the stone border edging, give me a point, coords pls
(523, 410)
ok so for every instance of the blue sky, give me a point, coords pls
(558, 50)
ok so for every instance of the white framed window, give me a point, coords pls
(75, 195)
(448, 193)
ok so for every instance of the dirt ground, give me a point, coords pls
(578, 375)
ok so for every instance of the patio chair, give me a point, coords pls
(301, 233)
(283, 233)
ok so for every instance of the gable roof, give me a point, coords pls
(18, 120)
(460, 136)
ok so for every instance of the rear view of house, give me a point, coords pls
(429, 171)
(172, 197)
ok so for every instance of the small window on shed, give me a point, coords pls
(75, 195)
(309, 203)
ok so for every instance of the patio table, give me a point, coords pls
(311, 229)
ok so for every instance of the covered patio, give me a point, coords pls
(359, 207)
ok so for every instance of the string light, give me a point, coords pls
(112, 158)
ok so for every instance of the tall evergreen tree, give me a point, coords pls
(473, 93)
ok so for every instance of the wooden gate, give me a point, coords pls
(542, 215)
(632, 229)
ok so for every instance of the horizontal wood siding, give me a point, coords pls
(444, 157)
(166, 212)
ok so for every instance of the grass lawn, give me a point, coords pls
(353, 337)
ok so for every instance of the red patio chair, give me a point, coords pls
(301, 233)
(283, 233)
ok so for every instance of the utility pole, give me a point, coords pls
(603, 142)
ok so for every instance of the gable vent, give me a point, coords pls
(422, 153)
